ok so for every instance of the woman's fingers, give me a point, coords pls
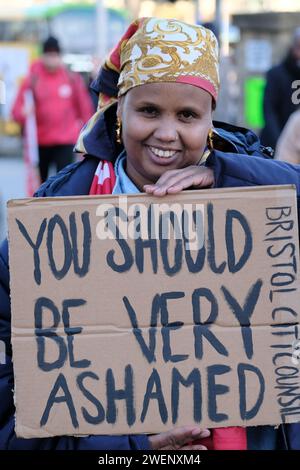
(177, 438)
(170, 177)
(199, 177)
(193, 447)
(188, 182)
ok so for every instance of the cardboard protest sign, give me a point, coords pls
(137, 314)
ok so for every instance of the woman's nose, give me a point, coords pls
(166, 131)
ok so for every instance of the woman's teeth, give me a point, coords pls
(163, 153)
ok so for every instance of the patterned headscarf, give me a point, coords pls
(153, 50)
(164, 50)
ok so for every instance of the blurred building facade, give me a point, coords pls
(265, 39)
(15, 8)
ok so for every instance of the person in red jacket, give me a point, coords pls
(61, 106)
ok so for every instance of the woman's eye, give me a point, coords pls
(188, 115)
(149, 110)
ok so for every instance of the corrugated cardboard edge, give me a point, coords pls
(227, 192)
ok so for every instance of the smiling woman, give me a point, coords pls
(166, 85)
(153, 132)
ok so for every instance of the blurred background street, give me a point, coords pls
(254, 35)
(12, 176)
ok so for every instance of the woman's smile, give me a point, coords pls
(161, 156)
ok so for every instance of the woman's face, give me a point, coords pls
(164, 127)
(52, 60)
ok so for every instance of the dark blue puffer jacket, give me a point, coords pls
(239, 161)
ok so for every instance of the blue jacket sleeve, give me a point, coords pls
(8, 438)
(232, 170)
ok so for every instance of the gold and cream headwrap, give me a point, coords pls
(166, 50)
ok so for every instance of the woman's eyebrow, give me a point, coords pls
(147, 103)
(189, 107)
(182, 107)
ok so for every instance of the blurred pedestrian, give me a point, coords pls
(278, 103)
(288, 146)
(61, 106)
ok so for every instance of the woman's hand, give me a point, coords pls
(179, 439)
(174, 181)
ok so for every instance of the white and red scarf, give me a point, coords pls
(104, 179)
